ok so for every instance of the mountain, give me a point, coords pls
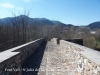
(33, 21)
(6, 20)
(44, 21)
(94, 25)
(70, 25)
(40, 21)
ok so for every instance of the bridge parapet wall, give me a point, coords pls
(12, 59)
(87, 61)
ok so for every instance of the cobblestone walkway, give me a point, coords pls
(57, 61)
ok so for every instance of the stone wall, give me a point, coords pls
(76, 40)
(12, 59)
(54, 40)
(86, 61)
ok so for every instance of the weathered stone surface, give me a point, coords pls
(12, 59)
(95, 71)
(95, 66)
(87, 68)
(59, 61)
(90, 66)
(83, 57)
(64, 58)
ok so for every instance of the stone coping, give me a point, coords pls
(9, 53)
(89, 53)
(18, 47)
(6, 55)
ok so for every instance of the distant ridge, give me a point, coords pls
(94, 25)
(34, 21)
(45, 21)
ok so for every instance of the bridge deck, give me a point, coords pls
(50, 59)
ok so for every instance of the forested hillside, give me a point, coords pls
(21, 29)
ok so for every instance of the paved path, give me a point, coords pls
(55, 61)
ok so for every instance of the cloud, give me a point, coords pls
(27, 1)
(20, 8)
(7, 5)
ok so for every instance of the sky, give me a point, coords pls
(76, 12)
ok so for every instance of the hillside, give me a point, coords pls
(33, 21)
(44, 21)
(94, 25)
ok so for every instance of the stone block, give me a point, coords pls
(87, 68)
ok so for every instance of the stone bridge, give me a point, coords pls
(41, 57)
